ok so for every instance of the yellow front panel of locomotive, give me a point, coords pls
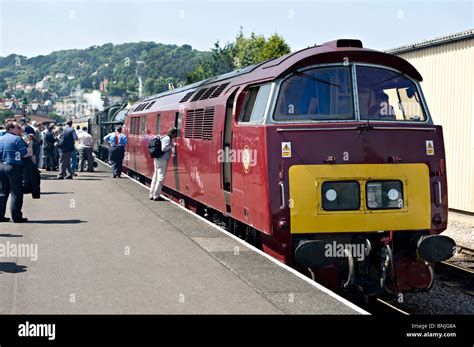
(308, 215)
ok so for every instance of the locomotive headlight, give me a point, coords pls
(384, 195)
(341, 195)
(331, 195)
(393, 194)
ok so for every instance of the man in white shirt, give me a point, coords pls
(86, 144)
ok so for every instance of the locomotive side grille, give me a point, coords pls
(198, 94)
(208, 123)
(187, 96)
(219, 90)
(208, 93)
(188, 126)
(198, 121)
(199, 124)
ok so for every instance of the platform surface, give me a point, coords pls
(104, 247)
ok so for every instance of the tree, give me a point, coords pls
(5, 114)
(248, 51)
(273, 48)
(3, 84)
(117, 63)
(149, 86)
(239, 54)
(56, 117)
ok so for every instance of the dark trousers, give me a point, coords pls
(36, 153)
(86, 154)
(65, 164)
(50, 158)
(31, 178)
(116, 158)
(11, 183)
(56, 157)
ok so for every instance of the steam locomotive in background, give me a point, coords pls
(102, 123)
(326, 158)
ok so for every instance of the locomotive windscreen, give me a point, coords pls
(387, 95)
(316, 94)
(326, 93)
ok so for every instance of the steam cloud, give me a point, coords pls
(94, 100)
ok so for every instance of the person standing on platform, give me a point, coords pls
(66, 147)
(27, 129)
(49, 149)
(58, 131)
(74, 153)
(116, 142)
(161, 164)
(37, 142)
(85, 153)
(42, 130)
(31, 174)
(12, 151)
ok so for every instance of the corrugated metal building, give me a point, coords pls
(447, 66)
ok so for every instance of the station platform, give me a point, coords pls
(104, 248)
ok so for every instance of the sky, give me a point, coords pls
(32, 28)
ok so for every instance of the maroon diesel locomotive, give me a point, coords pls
(326, 158)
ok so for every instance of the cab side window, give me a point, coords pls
(178, 120)
(142, 130)
(255, 104)
(134, 125)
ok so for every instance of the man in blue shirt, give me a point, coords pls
(116, 142)
(12, 151)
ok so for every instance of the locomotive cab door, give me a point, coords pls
(178, 119)
(227, 144)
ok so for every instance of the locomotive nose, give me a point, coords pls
(434, 248)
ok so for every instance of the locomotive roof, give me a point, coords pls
(333, 51)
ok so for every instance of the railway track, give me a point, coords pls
(459, 271)
(456, 274)
(463, 261)
(381, 306)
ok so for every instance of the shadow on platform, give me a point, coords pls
(80, 178)
(96, 176)
(51, 193)
(57, 221)
(11, 268)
